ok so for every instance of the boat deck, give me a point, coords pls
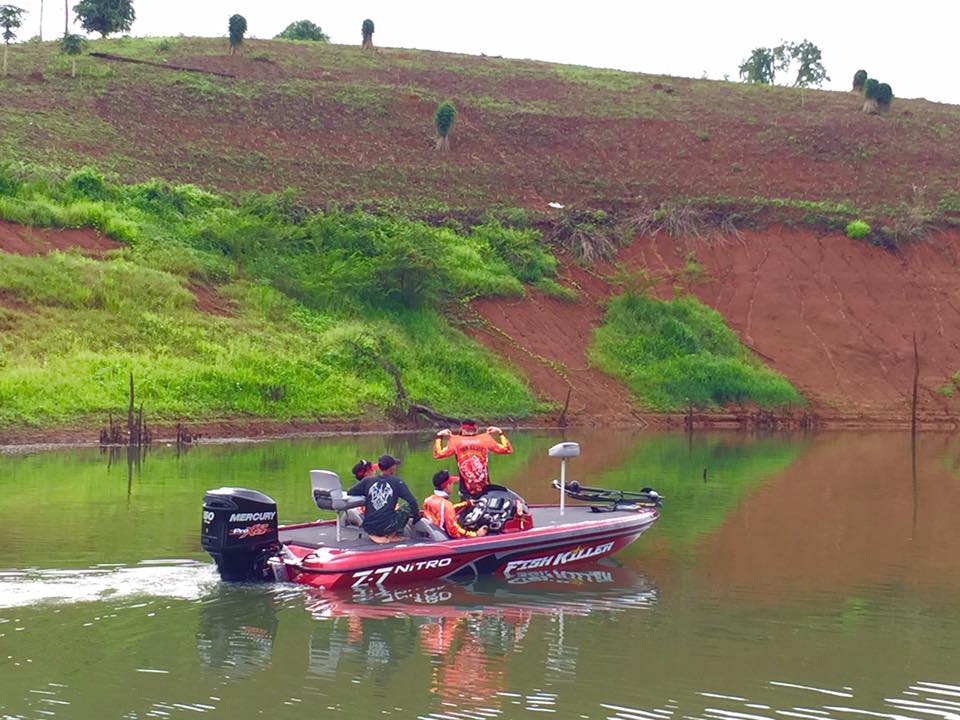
(353, 538)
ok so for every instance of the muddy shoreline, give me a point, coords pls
(19, 440)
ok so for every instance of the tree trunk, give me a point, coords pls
(66, 17)
(5, 46)
(73, 68)
(871, 106)
(40, 34)
(443, 143)
(367, 42)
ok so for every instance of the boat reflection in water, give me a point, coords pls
(456, 630)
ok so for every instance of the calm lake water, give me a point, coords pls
(807, 576)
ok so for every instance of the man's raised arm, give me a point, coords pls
(439, 451)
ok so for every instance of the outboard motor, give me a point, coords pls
(240, 532)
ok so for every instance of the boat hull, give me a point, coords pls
(590, 538)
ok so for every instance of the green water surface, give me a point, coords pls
(808, 576)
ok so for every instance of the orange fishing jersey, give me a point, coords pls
(471, 452)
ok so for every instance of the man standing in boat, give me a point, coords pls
(382, 520)
(471, 450)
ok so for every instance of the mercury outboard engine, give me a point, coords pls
(240, 532)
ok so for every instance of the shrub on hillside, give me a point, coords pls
(859, 78)
(884, 96)
(366, 30)
(303, 30)
(87, 184)
(237, 28)
(679, 352)
(521, 250)
(871, 88)
(857, 229)
(72, 45)
(443, 120)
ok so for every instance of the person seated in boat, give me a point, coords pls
(439, 510)
(383, 521)
(364, 468)
(471, 450)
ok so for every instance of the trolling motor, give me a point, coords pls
(614, 499)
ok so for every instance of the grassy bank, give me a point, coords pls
(672, 353)
(308, 307)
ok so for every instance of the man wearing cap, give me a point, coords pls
(382, 520)
(364, 468)
(471, 450)
(441, 512)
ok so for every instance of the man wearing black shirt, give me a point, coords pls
(382, 521)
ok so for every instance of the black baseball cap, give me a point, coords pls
(387, 461)
(440, 479)
(468, 422)
(360, 468)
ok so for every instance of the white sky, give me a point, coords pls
(907, 44)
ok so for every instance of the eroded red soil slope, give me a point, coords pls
(835, 316)
(23, 240)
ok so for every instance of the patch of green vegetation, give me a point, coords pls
(672, 353)
(857, 229)
(318, 302)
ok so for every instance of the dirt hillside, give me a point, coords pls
(835, 316)
(357, 127)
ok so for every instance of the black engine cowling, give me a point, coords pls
(239, 531)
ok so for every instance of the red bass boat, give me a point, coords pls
(241, 533)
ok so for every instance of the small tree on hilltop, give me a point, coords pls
(11, 18)
(762, 66)
(443, 119)
(72, 45)
(238, 28)
(859, 78)
(810, 72)
(871, 89)
(367, 30)
(105, 16)
(884, 96)
(303, 30)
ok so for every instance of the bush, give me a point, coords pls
(859, 78)
(871, 89)
(519, 249)
(303, 30)
(857, 229)
(87, 184)
(237, 28)
(671, 353)
(884, 95)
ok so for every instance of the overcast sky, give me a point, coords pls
(903, 43)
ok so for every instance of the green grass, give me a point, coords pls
(674, 352)
(319, 301)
